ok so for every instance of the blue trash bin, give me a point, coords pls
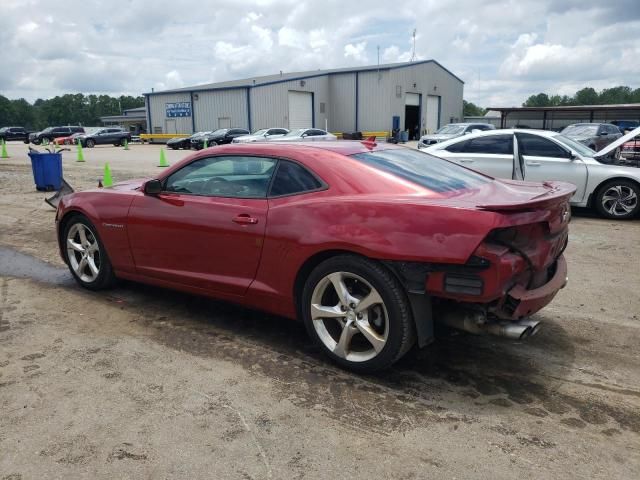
(47, 170)
(404, 136)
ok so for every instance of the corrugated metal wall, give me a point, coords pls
(373, 101)
(425, 77)
(270, 103)
(342, 104)
(159, 118)
(334, 99)
(213, 105)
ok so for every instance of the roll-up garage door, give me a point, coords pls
(433, 113)
(412, 99)
(300, 110)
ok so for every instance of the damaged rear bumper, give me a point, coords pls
(520, 302)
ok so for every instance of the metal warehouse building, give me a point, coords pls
(416, 96)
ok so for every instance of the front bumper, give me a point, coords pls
(520, 302)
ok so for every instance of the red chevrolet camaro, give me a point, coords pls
(367, 244)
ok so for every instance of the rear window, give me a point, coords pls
(423, 169)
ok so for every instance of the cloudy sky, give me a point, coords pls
(503, 50)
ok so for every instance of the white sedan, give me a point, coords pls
(603, 182)
(305, 135)
(262, 135)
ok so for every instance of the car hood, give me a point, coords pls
(438, 137)
(290, 139)
(618, 142)
(251, 138)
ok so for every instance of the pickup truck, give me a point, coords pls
(49, 134)
(105, 136)
(13, 133)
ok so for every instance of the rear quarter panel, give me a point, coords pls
(300, 227)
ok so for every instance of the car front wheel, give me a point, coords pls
(90, 143)
(85, 255)
(619, 199)
(358, 313)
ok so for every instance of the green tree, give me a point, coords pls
(472, 110)
(615, 95)
(586, 96)
(539, 100)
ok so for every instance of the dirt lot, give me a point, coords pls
(143, 383)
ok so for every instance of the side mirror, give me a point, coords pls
(153, 187)
(604, 133)
(573, 156)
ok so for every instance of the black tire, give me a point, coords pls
(173, 147)
(105, 278)
(401, 328)
(67, 142)
(90, 143)
(629, 189)
(117, 144)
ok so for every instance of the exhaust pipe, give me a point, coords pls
(476, 323)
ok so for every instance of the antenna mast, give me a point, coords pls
(413, 53)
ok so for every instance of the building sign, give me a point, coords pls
(178, 109)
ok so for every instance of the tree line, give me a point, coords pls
(585, 96)
(69, 109)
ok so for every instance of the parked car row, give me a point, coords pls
(240, 135)
(604, 182)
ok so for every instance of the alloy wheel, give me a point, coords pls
(83, 252)
(349, 316)
(619, 200)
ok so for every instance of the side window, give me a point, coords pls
(292, 178)
(232, 176)
(613, 129)
(493, 144)
(457, 147)
(536, 146)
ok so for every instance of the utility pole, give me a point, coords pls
(413, 54)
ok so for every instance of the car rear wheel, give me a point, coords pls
(619, 199)
(358, 313)
(90, 143)
(86, 256)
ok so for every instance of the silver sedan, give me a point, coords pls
(604, 182)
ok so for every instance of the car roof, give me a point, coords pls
(343, 147)
(487, 133)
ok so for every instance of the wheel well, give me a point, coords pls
(596, 190)
(64, 221)
(307, 267)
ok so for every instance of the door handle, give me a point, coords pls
(466, 160)
(245, 219)
(533, 164)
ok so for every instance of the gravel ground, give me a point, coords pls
(139, 382)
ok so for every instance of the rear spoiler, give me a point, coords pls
(558, 192)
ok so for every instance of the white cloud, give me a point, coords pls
(505, 50)
(356, 52)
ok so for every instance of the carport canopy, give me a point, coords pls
(555, 118)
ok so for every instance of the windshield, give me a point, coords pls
(450, 130)
(580, 131)
(434, 173)
(261, 131)
(296, 133)
(577, 147)
(220, 131)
